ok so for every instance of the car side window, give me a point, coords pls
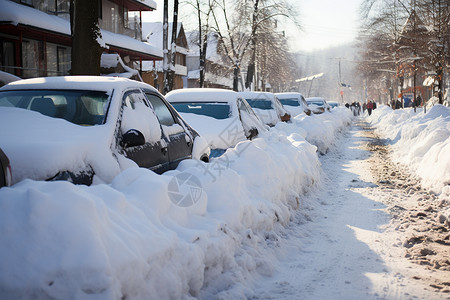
(137, 115)
(162, 111)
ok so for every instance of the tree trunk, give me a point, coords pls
(86, 51)
(165, 48)
(252, 79)
(201, 44)
(236, 77)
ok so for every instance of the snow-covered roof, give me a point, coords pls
(113, 61)
(17, 14)
(149, 3)
(414, 23)
(210, 77)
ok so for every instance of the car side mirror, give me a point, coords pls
(286, 117)
(253, 133)
(132, 138)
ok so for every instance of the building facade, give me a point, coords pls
(35, 36)
(153, 71)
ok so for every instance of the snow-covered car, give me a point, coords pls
(267, 107)
(294, 103)
(221, 116)
(87, 129)
(333, 104)
(5, 170)
(6, 78)
(318, 105)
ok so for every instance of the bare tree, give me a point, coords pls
(203, 9)
(437, 14)
(417, 42)
(241, 31)
(379, 45)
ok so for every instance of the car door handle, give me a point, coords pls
(164, 150)
(189, 143)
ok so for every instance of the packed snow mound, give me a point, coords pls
(420, 140)
(197, 231)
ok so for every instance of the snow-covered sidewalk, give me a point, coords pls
(344, 245)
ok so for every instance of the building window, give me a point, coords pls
(52, 60)
(31, 54)
(58, 60)
(63, 60)
(7, 62)
(110, 14)
(125, 18)
(180, 59)
(27, 2)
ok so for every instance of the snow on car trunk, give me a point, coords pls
(220, 134)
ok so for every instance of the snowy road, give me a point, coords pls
(343, 244)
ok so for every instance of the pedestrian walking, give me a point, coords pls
(369, 107)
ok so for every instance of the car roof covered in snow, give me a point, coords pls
(258, 95)
(96, 83)
(288, 95)
(202, 95)
(315, 99)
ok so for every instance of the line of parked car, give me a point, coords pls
(88, 129)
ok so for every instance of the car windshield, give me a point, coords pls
(78, 107)
(260, 103)
(217, 110)
(290, 102)
(318, 103)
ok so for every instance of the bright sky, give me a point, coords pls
(325, 23)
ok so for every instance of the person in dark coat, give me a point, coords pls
(369, 107)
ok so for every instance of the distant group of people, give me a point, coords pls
(371, 105)
(356, 107)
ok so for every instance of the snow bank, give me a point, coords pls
(421, 141)
(198, 231)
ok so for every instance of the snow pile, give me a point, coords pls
(220, 134)
(420, 140)
(196, 231)
(321, 129)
